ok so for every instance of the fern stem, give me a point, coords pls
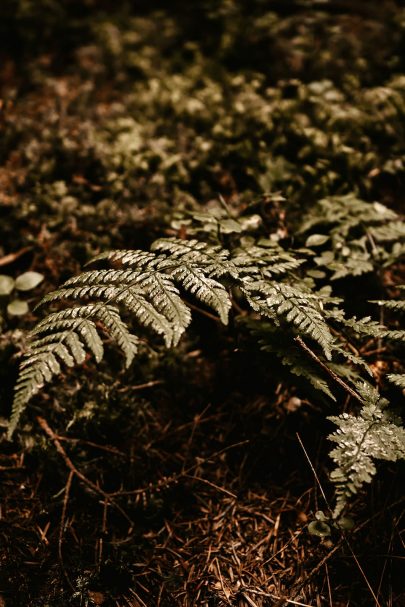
(331, 373)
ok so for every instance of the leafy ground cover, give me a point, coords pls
(191, 478)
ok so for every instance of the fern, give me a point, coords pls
(153, 287)
(298, 307)
(353, 235)
(265, 260)
(61, 338)
(372, 434)
(397, 378)
(275, 341)
(147, 291)
(150, 287)
(392, 304)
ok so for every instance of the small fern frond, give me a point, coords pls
(301, 309)
(275, 341)
(355, 359)
(207, 290)
(373, 434)
(398, 379)
(61, 338)
(265, 262)
(212, 259)
(391, 304)
(362, 326)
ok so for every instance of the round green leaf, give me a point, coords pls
(315, 240)
(6, 284)
(28, 281)
(316, 274)
(17, 307)
(319, 528)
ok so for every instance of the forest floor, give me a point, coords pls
(189, 479)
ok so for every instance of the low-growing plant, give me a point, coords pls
(10, 290)
(282, 294)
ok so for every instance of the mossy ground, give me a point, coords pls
(113, 117)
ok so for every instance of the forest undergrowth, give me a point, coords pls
(249, 156)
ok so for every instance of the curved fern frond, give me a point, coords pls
(62, 337)
(304, 310)
(147, 290)
(373, 434)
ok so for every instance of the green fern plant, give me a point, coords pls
(147, 287)
(373, 434)
(353, 237)
(154, 287)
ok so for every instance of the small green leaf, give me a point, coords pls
(28, 281)
(315, 240)
(6, 284)
(229, 226)
(345, 522)
(17, 307)
(319, 528)
(316, 274)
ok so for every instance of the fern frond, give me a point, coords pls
(274, 341)
(397, 378)
(265, 262)
(86, 328)
(122, 287)
(397, 335)
(147, 290)
(299, 308)
(353, 358)
(363, 326)
(391, 304)
(61, 338)
(212, 259)
(373, 434)
(394, 230)
(205, 289)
